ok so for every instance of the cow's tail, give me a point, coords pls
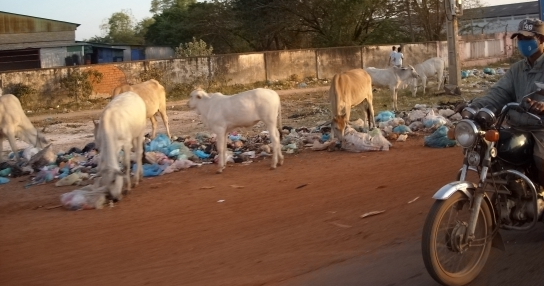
(280, 124)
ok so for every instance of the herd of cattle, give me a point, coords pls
(122, 123)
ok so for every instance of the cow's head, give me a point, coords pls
(111, 183)
(195, 97)
(339, 124)
(411, 71)
(41, 142)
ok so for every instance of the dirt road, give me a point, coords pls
(248, 226)
(297, 225)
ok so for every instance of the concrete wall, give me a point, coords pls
(280, 65)
(255, 67)
(333, 61)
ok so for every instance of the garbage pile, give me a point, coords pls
(163, 155)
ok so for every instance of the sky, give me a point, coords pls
(90, 14)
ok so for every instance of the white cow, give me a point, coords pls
(15, 124)
(154, 96)
(121, 127)
(223, 113)
(429, 68)
(392, 77)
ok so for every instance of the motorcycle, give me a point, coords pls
(496, 188)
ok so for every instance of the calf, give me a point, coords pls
(392, 77)
(154, 96)
(223, 113)
(121, 127)
(15, 124)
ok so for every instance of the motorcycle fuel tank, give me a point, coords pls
(515, 146)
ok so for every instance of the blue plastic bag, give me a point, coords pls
(4, 180)
(402, 129)
(385, 116)
(160, 144)
(439, 139)
(201, 154)
(150, 170)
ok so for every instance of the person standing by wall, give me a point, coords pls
(398, 58)
(391, 59)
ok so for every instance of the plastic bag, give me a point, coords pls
(361, 142)
(402, 129)
(160, 143)
(83, 199)
(385, 116)
(439, 139)
(434, 121)
(151, 170)
(74, 178)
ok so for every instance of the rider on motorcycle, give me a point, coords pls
(519, 80)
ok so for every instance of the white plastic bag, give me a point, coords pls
(83, 199)
(361, 142)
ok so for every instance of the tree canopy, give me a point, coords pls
(232, 26)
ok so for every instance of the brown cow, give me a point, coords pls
(154, 96)
(347, 90)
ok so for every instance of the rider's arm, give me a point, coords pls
(501, 93)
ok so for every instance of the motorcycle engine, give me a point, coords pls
(518, 207)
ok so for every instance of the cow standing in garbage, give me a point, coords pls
(223, 113)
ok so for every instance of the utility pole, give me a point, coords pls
(453, 10)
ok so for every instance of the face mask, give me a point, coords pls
(528, 47)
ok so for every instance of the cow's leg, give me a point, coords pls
(424, 83)
(153, 126)
(164, 117)
(1, 148)
(221, 145)
(440, 77)
(277, 156)
(126, 163)
(371, 119)
(12, 143)
(137, 145)
(414, 87)
(394, 97)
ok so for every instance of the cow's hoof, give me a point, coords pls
(219, 172)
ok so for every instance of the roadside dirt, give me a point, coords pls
(247, 226)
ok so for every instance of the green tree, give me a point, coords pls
(159, 6)
(120, 28)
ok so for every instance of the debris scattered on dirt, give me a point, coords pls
(372, 213)
(301, 186)
(340, 225)
(415, 199)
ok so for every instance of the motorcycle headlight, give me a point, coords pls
(485, 117)
(466, 133)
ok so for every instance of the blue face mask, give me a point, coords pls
(528, 47)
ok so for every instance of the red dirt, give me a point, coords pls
(172, 230)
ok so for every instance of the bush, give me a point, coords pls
(28, 96)
(80, 84)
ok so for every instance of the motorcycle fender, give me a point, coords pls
(458, 186)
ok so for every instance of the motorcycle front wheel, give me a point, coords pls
(447, 257)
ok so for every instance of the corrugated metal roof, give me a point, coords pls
(516, 9)
(11, 23)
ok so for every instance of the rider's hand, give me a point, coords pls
(535, 107)
(459, 107)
